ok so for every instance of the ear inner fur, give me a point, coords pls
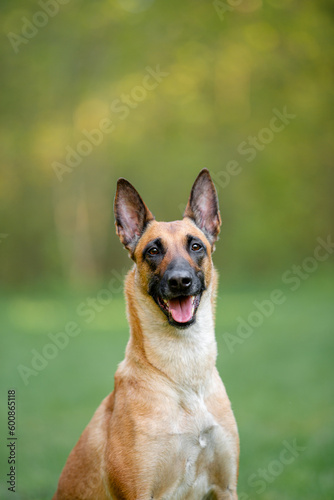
(203, 206)
(131, 214)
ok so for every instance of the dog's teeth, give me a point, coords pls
(165, 303)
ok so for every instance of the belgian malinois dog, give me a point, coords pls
(167, 430)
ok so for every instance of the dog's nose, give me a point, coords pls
(179, 282)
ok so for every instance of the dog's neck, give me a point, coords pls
(185, 357)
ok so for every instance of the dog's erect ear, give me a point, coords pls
(203, 206)
(131, 214)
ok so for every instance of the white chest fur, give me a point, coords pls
(196, 444)
(185, 356)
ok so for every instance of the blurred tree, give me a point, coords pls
(69, 68)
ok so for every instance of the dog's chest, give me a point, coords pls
(196, 443)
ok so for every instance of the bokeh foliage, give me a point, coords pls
(227, 72)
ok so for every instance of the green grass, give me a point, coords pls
(279, 379)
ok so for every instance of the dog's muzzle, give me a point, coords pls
(178, 293)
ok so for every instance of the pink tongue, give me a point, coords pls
(181, 309)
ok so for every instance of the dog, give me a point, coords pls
(167, 431)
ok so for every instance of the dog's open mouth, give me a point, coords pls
(180, 310)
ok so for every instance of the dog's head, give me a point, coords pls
(173, 259)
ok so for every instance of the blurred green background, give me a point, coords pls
(154, 91)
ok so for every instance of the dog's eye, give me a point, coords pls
(153, 251)
(196, 247)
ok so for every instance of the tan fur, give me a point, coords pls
(167, 431)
